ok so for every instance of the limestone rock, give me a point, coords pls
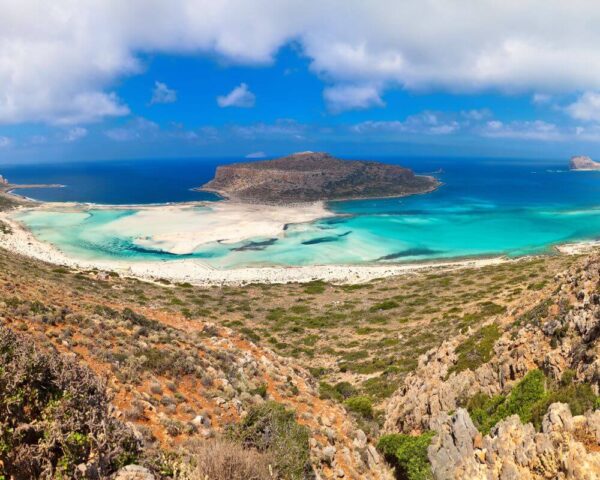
(134, 472)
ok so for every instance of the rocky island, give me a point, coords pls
(583, 163)
(310, 177)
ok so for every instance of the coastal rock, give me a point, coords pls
(513, 450)
(310, 177)
(560, 332)
(583, 163)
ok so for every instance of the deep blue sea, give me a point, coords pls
(485, 207)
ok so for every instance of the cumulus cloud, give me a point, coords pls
(240, 96)
(586, 107)
(352, 97)
(56, 71)
(163, 94)
(426, 123)
(74, 134)
(523, 130)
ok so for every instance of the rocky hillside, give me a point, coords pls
(308, 177)
(179, 385)
(519, 404)
(583, 163)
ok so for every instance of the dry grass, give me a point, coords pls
(219, 459)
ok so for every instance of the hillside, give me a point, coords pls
(191, 379)
(309, 177)
(519, 399)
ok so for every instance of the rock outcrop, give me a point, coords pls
(561, 332)
(309, 177)
(566, 448)
(583, 163)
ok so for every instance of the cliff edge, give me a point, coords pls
(309, 177)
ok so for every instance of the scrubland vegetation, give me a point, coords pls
(173, 374)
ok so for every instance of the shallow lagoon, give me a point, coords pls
(483, 208)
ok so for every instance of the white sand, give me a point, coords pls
(249, 221)
(180, 229)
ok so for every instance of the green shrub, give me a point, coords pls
(270, 428)
(530, 400)
(408, 454)
(476, 350)
(488, 411)
(360, 405)
(579, 396)
(312, 288)
(385, 305)
(340, 391)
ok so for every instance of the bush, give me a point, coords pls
(530, 400)
(271, 429)
(488, 411)
(385, 305)
(408, 454)
(340, 391)
(219, 459)
(476, 350)
(56, 416)
(315, 287)
(361, 406)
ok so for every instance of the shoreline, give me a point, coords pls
(225, 197)
(22, 241)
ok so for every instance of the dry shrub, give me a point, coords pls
(55, 417)
(220, 459)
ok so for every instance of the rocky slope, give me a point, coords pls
(583, 163)
(308, 177)
(174, 380)
(558, 337)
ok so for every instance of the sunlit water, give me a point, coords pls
(483, 208)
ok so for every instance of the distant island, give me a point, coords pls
(309, 176)
(583, 163)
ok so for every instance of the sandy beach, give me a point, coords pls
(194, 271)
(226, 222)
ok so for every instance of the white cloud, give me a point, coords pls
(86, 107)
(139, 128)
(163, 94)
(240, 96)
(74, 134)
(5, 142)
(282, 128)
(541, 98)
(586, 107)
(57, 69)
(352, 97)
(426, 123)
(256, 155)
(523, 130)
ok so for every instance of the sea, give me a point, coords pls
(485, 207)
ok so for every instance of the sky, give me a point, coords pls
(106, 79)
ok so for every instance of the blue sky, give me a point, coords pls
(192, 78)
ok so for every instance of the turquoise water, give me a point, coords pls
(483, 208)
